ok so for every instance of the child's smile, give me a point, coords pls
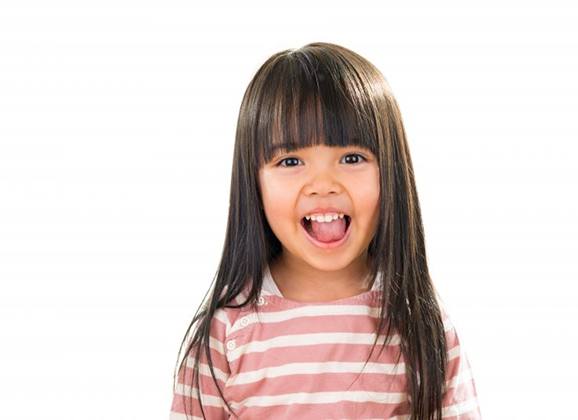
(322, 203)
(326, 228)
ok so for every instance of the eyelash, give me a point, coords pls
(290, 157)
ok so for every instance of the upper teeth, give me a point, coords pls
(328, 217)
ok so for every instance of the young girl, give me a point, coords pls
(324, 259)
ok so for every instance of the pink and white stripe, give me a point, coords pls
(296, 360)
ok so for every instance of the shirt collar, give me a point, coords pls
(270, 287)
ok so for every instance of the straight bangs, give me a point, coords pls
(308, 100)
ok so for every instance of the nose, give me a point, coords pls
(323, 182)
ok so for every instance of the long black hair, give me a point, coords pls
(323, 93)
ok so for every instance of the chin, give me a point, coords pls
(328, 262)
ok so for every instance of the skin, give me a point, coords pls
(294, 183)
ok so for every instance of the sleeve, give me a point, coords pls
(185, 400)
(460, 401)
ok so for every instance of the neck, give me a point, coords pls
(303, 282)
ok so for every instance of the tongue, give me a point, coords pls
(328, 232)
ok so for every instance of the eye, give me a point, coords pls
(293, 159)
(356, 154)
(286, 159)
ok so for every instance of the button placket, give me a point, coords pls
(231, 345)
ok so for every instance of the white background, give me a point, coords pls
(117, 123)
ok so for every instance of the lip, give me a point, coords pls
(327, 245)
(324, 210)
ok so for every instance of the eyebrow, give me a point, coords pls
(282, 146)
(275, 148)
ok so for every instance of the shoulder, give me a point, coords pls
(225, 320)
(222, 322)
(453, 338)
(449, 326)
(461, 397)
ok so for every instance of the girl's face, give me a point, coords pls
(294, 184)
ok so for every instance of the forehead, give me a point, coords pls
(301, 128)
(294, 114)
(277, 149)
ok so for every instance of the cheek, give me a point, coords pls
(366, 193)
(278, 198)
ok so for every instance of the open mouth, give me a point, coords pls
(307, 226)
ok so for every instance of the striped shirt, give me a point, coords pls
(303, 360)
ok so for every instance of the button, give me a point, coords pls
(231, 344)
(244, 322)
(261, 301)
